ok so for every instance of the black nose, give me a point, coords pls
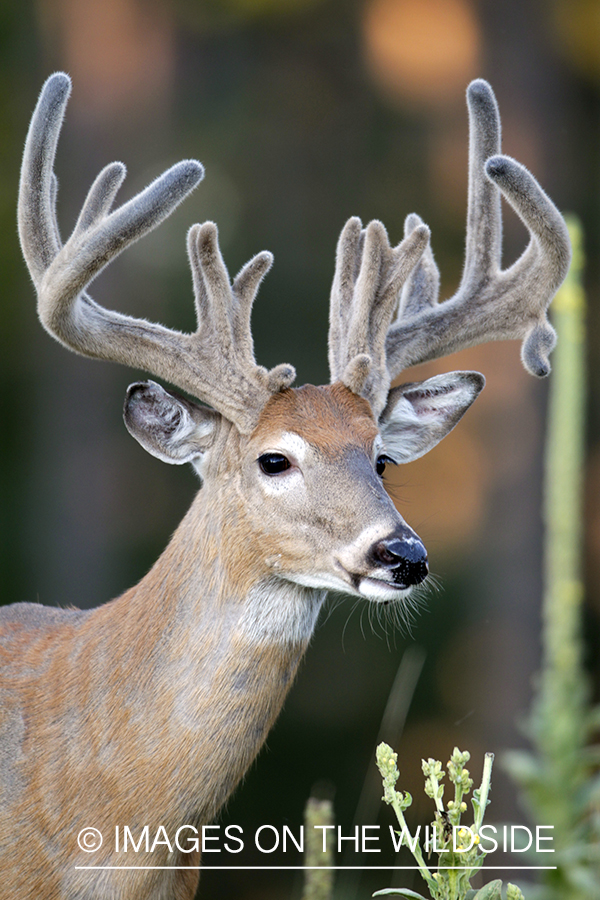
(405, 558)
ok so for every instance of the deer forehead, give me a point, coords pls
(330, 418)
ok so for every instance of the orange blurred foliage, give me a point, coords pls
(422, 51)
(120, 53)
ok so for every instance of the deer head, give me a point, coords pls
(307, 460)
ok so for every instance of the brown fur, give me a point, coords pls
(149, 709)
(329, 417)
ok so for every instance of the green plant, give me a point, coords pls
(460, 855)
(559, 777)
(318, 871)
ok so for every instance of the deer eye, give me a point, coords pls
(273, 463)
(382, 462)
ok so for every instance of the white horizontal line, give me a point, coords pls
(300, 868)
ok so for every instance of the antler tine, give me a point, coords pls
(544, 264)
(244, 289)
(38, 231)
(62, 273)
(229, 375)
(483, 247)
(422, 286)
(368, 279)
(347, 265)
(491, 304)
(484, 223)
(100, 197)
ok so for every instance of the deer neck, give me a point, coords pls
(221, 645)
(216, 577)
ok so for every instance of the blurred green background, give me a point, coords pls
(304, 112)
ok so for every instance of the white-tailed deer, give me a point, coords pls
(149, 709)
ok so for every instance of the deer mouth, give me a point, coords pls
(374, 588)
(381, 590)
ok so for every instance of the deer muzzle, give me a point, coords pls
(404, 557)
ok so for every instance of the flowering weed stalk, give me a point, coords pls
(559, 776)
(460, 854)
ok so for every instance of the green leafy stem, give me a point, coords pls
(460, 854)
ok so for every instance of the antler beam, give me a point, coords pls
(373, 282)
(215, 364)
(490, 304)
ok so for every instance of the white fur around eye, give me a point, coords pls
(278, 485)
(293, 446)
(295, 449)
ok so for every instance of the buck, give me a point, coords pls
(149, 709)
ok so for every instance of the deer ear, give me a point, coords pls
(168, 426)
(418, 415)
